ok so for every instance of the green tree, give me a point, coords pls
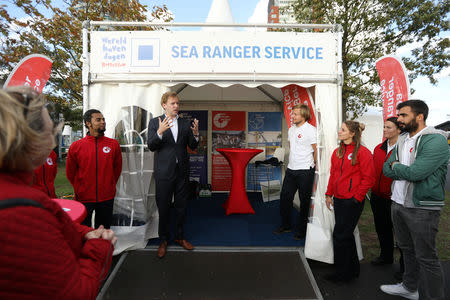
(374, 28)
(53, 28)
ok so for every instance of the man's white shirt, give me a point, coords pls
(301, 155)
(399, 186)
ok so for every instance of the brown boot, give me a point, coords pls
(185, 244)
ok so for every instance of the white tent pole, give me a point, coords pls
(165, 24)
(340, 72)
(86, 69)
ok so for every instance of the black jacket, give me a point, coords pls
(167, 151)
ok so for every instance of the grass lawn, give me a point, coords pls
(369, 239)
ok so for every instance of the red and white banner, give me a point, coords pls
(394, 84)
(33, 70)
(293, 95)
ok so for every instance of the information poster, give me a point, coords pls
(198, 159)
(228, 131)
(264, 130)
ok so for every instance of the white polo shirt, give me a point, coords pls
(301, 155)
(399, 186)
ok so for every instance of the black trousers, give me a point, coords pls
(176, 187)
(381, 208)
(103, 213)
(301, 181)
(347, 213)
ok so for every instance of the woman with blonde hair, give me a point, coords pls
(43, 253)
(351, 176)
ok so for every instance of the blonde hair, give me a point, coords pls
(166, 97)
(304, 111)
(21, 127)
(356, 128)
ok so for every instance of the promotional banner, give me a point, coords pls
(228, 132)
(293, 95)
(205, 52)
(33, 70)
(394, 84)
(198, 159)
(264, 130)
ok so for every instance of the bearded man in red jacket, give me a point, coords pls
(93, 167)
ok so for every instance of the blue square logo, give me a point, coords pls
(145, 52)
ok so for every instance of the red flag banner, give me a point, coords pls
(33, 70)
(394, 84)
(293, 95)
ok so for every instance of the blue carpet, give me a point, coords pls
(207, 224)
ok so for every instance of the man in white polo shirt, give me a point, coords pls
(299, 174)
(418, 165)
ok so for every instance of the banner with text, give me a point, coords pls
(205, 52)
(394, 83)
(198, 158)
(228, 131)
(33, 70)
(293, 95)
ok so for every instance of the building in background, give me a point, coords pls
(280, 11)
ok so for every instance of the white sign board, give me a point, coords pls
(213, 52)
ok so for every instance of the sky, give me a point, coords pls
(255, 11)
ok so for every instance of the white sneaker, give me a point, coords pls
(399, 290)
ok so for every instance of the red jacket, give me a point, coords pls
(347, 181)
(382, 186)
(93, 167)
(44, 176)
(43, 254)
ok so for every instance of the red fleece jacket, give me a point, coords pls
(43, 254)
(382, 186)
(93, 167)
(44, 176)
(347, 181)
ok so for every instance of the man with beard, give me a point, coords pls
(93, 167)
(418, 166)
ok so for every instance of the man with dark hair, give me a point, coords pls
(168, 136)
(418, 166)
(93, 167)
(300, 171)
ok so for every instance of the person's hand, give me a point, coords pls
(164, 125)
(329, 202)
(194, 127)
(101, 233)
(95, 234)
(108, 234)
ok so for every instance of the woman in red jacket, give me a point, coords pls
(351, 176)
(380, 199)
(43, 253)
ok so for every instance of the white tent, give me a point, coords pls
(125, 73)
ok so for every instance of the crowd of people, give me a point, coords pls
(58, 257)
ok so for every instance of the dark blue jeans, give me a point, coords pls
(346, 213)
(301, 181)
(416, 230)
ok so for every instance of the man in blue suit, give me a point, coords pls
(168, 136)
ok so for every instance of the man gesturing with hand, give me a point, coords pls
(168, 137)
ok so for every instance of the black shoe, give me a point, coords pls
(379, 261)
(299, 236)
(282, 229)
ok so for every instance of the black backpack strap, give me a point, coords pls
(8, 203)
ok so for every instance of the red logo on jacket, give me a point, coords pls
(410, 150)
(106, 149)
(299, 135)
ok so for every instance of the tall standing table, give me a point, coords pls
(238, 158)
